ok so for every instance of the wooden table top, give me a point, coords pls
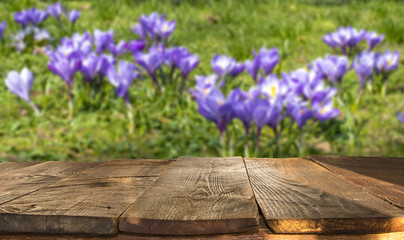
(318, 197)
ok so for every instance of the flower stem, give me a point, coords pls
(257, 142)
(222, 145)
(130, 118)
(229, 144)
(384, 87)
(37, 112)
(155, 82)
(358, 97)
(71, 107)
(301, 143)
(278, 150)
(246, 144)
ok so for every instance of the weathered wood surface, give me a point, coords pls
(87, 203)
(195, 196)
(381, 176)
(300, 196)
(263, 233)
(25, 180)
(10, 166)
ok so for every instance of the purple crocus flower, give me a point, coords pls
(21, 18)
(204, 84)
(252, 67)
(151, 61)
(122, 78)
(68, 48)
(82, 43)
(273, 88)
(135, 45)
(324, 111)
(344, 37)
(103, 64)
(89, 66)
(55, 10)
(309, 85)
(65, 66)
(333, 67)
(222, 65)
(237, 69)
(373, 39)
(164, 28)
(400, 117)
(364, 64)
(36, 16)
(20, 83)
(103, 39)
(268, 59)
(117, 49)
(387, 62)
(216, 108)
(187, 64)
(146, 25)
(299, 111)
(243, 107)
(2, 29)
(73, 15)
(267, 113)
(41, 35)
(174, 55)
(18, 41)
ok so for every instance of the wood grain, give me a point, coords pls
(299, 196)
(22, 181)
(381, 176)
(195, 196)
(10, 166)
(87, 203)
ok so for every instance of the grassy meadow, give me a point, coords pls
(168, 125)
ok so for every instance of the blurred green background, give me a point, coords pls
(169, 125)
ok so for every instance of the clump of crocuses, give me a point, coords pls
(33, 34)
(163, 64)
(368, 65)
(300, 95)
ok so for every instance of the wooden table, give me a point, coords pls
(318, 197)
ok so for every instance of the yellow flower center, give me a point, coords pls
(389, 62)
(273, 91)
(322, 111)
(302, 111)
(205, 91)
(165, 28)
(220, 103)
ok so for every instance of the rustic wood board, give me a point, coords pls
(381, 176)
(195, 196)
(10, 166)
(19, 182)
(87, 203)
(299, 196)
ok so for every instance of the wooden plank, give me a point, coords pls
(263, 233)
(299, 196)
(19, 182)
(10, 166)
(87, 203)
(195, 196)
(381, 176)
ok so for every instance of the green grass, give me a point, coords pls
(169, 125)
